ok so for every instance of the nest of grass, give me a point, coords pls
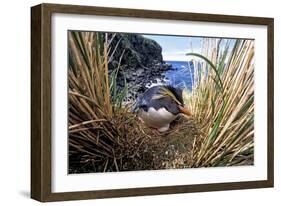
(135, 146)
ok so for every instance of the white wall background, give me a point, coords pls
(15, 102)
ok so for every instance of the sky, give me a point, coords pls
(174, 48)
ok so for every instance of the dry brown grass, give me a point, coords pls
(223, 105)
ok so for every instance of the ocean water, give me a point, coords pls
(181, 75)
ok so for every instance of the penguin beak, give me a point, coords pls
(185, 111)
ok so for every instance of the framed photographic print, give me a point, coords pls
(130, 102)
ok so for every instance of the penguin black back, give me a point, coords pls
(155, 97)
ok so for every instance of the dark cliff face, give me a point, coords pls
(141, 64)
(139, 51)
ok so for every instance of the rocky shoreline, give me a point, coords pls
(141, 62)
(140, 78)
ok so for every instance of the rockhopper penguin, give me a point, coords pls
(159, 106)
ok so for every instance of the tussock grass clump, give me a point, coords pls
(99, 128)
(222, 103)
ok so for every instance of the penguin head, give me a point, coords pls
(176, 96)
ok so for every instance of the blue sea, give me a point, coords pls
(181, 75)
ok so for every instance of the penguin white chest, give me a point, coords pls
(159, 119)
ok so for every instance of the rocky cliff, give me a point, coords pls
(141, 64)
